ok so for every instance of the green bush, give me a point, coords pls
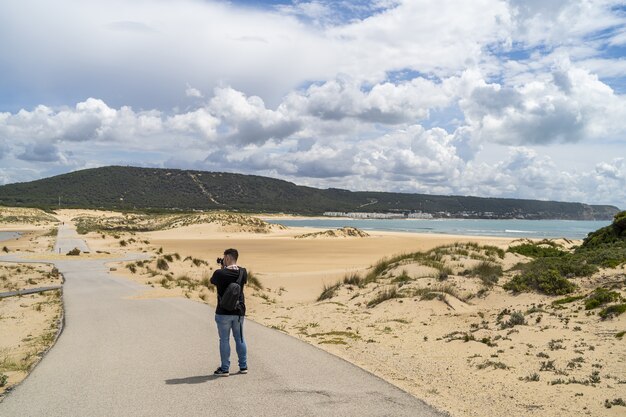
(534, 250)
(548, 282)
(612, 311)
(516, 319)
(3, 379)
(600, 297)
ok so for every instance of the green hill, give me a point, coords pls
(130, 188)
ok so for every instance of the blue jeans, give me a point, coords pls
(225, 324)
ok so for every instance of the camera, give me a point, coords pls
(220, 261)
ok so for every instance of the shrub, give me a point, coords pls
(612, 311)
(162, 264)
(534, 250)
(168, 258)
(328, 292)
(5, 249)
(3, 379)
(515, 319)
(74, 252)
(600, 297)
(548, 282)
(132, 268)
(123, 243)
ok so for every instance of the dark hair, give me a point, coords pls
(232, 252)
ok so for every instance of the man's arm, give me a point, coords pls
(214, 278)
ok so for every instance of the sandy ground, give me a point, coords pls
(454, 350)
(29, 323)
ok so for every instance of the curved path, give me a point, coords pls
(120, 356)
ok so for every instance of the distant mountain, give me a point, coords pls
(128, 188)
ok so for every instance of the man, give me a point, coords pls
(228, 320)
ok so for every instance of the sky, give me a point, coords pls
(491, 98)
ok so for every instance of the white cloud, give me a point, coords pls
(193, 92)
(567, 105)
(387, 95)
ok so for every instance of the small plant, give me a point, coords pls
(488, 272)
(197, 262)
(607, 403)
(595, 377)
(123, 243)
(555, 344)
(328, 292)
(5, 249)
(600, 297)
(353, 279)
(3, 379)
(515, 319)
(568, 300)
(534, 377)
(492, 364)
(547, 366)
(168, 258)
(386, 294)
(74, 252)
(254, 281)
(402, 278)
(132, 268)
(612, 311)
(162, 264)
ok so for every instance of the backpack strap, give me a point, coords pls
(240, 279)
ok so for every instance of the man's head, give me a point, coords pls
(230, 257)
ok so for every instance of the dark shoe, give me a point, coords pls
(243, 370)
(221, 372)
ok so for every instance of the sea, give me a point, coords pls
(534, 229)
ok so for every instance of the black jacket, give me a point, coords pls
(221, 278)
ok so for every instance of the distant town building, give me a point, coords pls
(364, 215)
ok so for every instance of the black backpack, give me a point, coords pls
(232, 298)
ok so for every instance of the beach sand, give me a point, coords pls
(453, 350)
(416, 345)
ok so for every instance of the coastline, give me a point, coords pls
(478, 228)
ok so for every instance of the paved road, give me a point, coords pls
(67, 239)
(120, 356)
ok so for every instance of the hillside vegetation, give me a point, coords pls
(129, 188)
(152, 222)
(552, 269)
